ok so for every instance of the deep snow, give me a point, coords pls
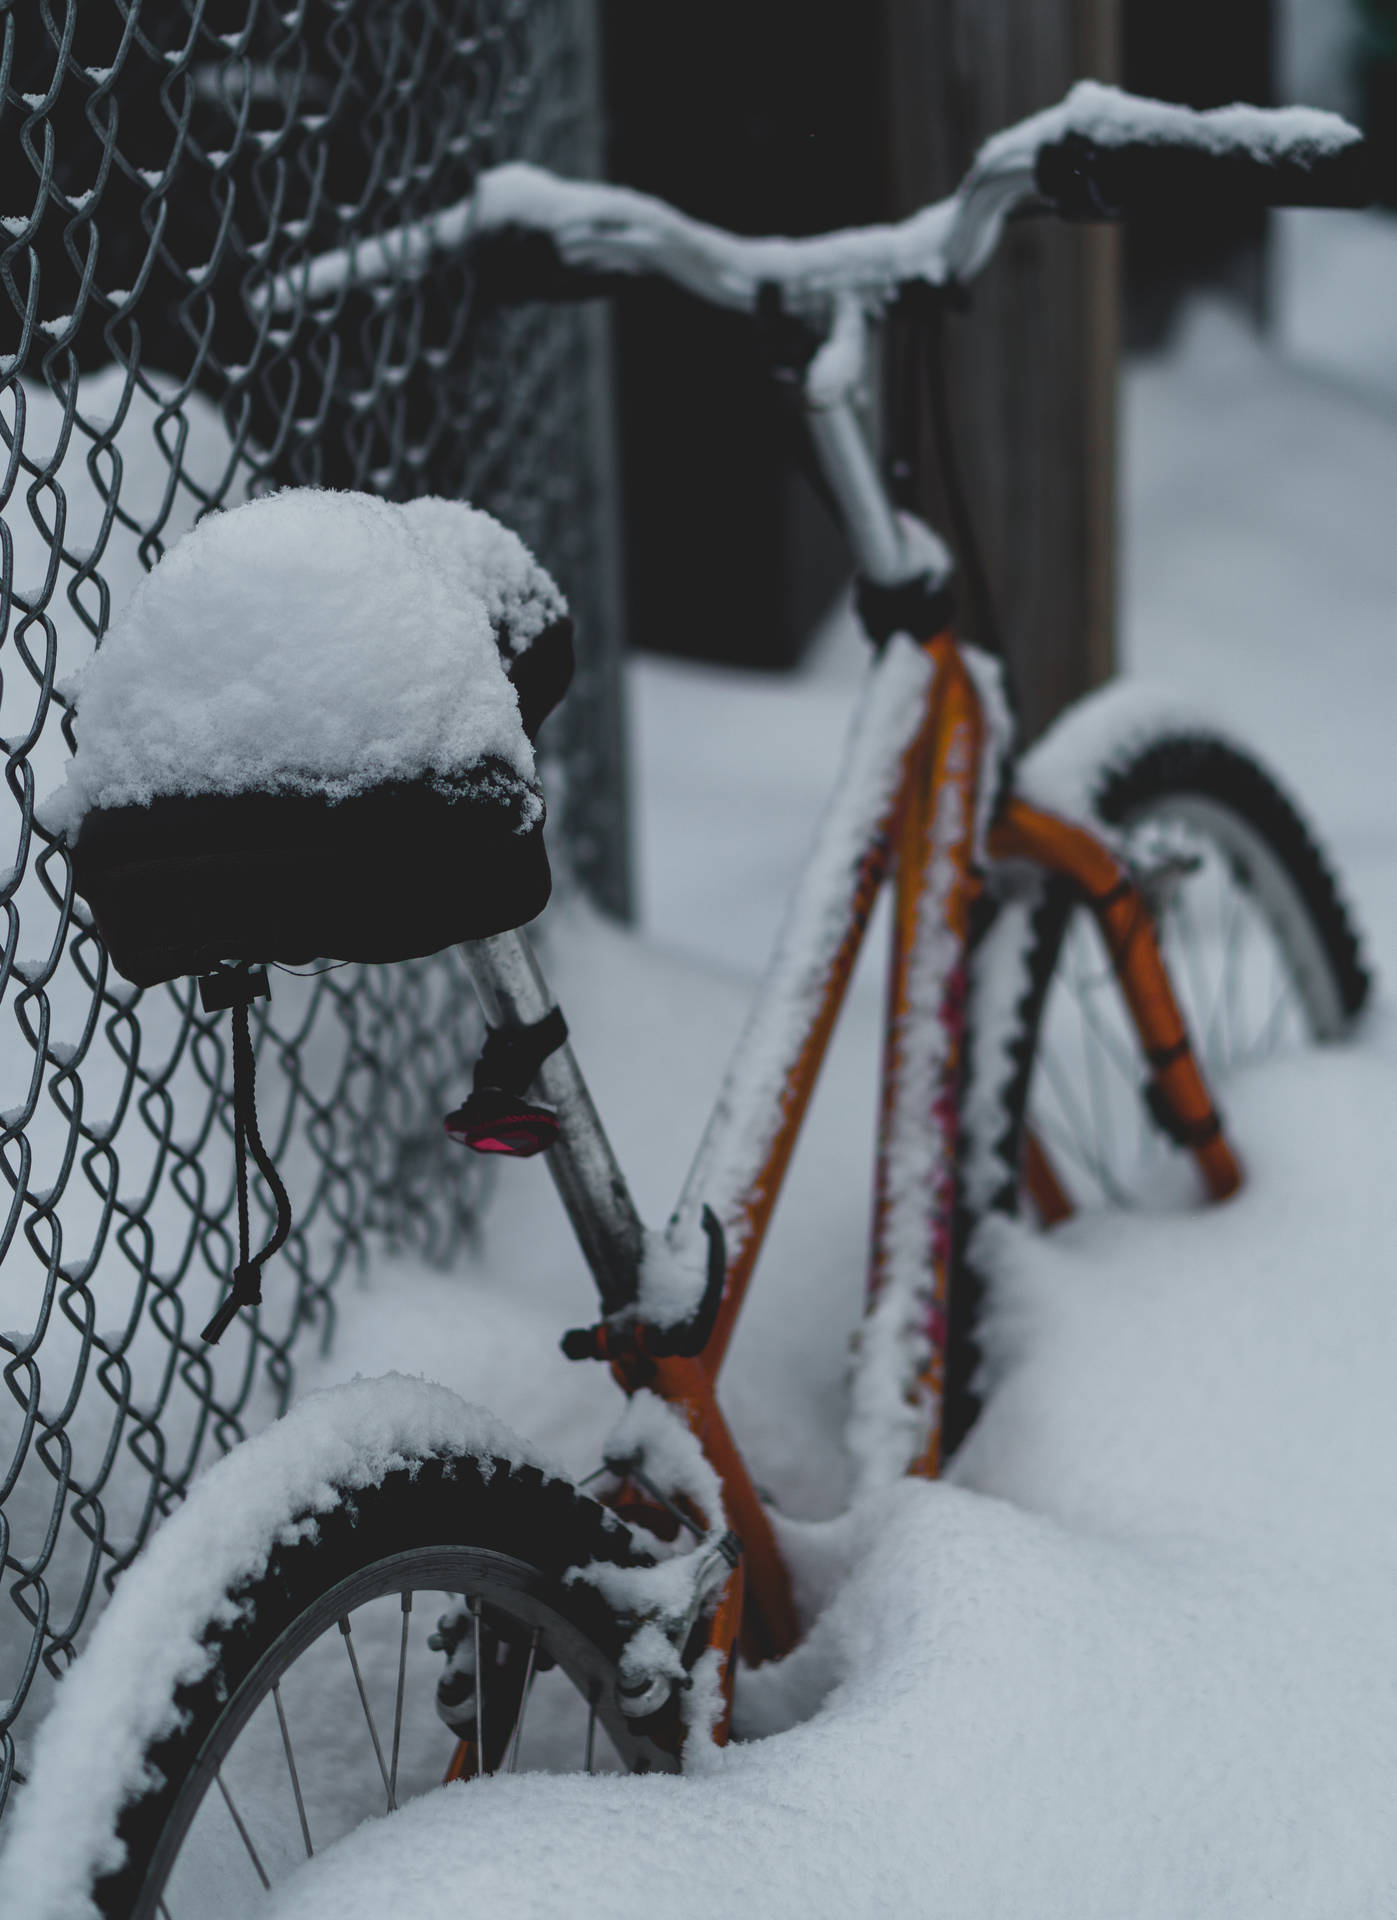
(1140, 1657)
(145, 1647)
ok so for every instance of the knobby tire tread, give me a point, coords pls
(451, 1500)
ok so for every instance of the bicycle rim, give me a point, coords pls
(1255, 968)
(1262, 956)
(321, 1707)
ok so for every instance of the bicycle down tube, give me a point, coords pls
(907, 799)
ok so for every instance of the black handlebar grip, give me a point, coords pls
(1086, 179)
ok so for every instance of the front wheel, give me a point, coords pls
(405, 1621)
(1257, 940)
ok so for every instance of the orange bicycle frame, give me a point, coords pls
(909, 801)
(925, 833)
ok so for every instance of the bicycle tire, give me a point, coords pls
(503, 1534)
(1270, 881)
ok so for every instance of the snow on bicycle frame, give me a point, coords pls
(921, 766)
(912, 799)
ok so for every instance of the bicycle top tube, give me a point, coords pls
(1098, 154)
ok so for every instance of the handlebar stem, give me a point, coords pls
(870, 520)
(889, 551)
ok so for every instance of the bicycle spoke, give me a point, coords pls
(291, 1768)
(1269, 1033)
(1255, 960)
(1066, 1150)
(1060, 1081)
(1087, 1101)
(1215, 1025)
(398, 1702)
(346, 1630)
(246, 1836)
(1068, 1130)
(542, 1713)
(1073, 1139)
(525, 1691)
(1198, 1000)
(1218, 1026)
(1091, 1055)
(1238, 999)
(1126, 1060)
(1111, 1043)
(1236, 1025)
(1275, 983)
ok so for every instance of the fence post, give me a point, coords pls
(1031, 368)
(592, 726)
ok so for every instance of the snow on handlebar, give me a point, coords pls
(598, 228)
(1146, 152)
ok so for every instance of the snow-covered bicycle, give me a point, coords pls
(1085, 941)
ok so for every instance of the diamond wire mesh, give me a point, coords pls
(159, 159)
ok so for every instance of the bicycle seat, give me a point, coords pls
(309, 735)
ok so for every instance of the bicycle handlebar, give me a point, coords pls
(1099, 154)
(1082, 177)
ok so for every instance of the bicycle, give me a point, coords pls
(628, 1605)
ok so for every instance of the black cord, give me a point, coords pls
(245, 1289)
(244, 1095)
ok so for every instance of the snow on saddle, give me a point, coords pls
(309, 734)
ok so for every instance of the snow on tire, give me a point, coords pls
(259, 1683)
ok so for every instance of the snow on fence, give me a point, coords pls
(159, 159)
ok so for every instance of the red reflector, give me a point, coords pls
(519, 1131)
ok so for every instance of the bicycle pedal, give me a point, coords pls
(494, 1122)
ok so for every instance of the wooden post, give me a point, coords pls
(1031, 365)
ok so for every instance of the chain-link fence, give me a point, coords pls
(158, 160)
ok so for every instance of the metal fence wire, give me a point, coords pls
(159, 159)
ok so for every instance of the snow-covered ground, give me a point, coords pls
(1139, 1656)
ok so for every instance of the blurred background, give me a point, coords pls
(783, 118)
(1179, 450)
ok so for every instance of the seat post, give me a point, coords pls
(513, 992)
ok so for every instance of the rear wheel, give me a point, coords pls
(1261, 953)
(426, 1624)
